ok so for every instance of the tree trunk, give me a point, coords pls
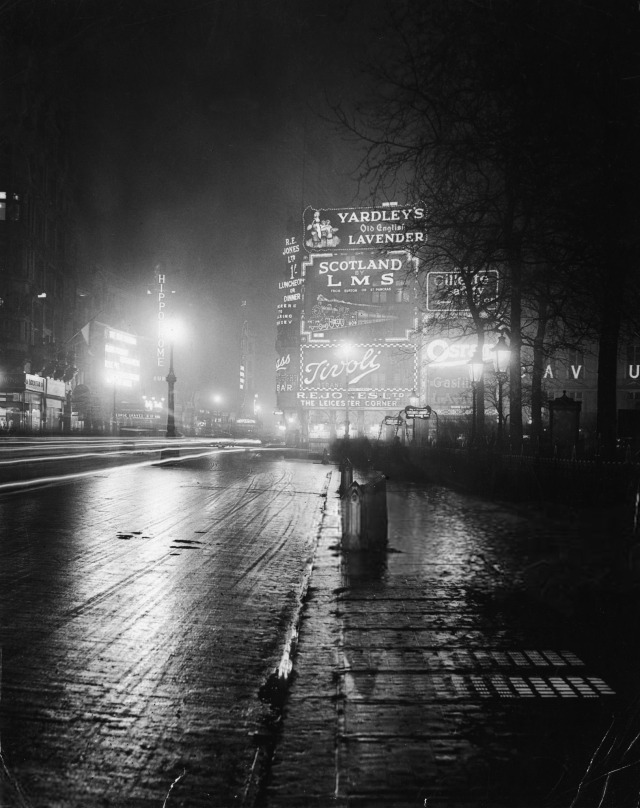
(536, 375)
(515, 372)
(607, 379)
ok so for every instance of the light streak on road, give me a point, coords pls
(55, 479)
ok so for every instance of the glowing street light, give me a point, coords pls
(171, 329)
(501, 360)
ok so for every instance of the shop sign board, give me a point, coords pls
(363, 400)
(35, 384)
(390, 421)
(55, 387)
(331, 230)
(12, 381)
(422, 413)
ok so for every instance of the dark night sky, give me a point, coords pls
(200, 137)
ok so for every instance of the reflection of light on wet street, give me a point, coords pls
(141, 612)
(451, 683)
(54, 479)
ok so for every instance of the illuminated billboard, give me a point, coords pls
(290, 304)
(331, 230)
(446, 373)
(446, 290)
(121, 358)
(377, 375)
(366, 295)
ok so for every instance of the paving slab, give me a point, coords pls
(427, 676)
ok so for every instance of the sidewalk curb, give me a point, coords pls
(275, 690)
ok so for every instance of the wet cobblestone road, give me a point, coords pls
(140, 612)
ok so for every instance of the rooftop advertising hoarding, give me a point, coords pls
(446, 292)
(332, 230)
(366, 295)
(376, 375)
(121, 357)
(446, 373)
(289, 306)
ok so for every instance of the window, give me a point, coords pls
(3, 206)
(379, 297)
(14, 208)
(633, 397)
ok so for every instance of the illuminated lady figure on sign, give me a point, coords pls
(322, 233)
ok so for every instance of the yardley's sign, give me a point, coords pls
(331, 230)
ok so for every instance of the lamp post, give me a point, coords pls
(346, 352)
(42, 297)
(501, 359)
(217, 417)
(171, 380)
(414, 401)
(114, 412)
(476, 369)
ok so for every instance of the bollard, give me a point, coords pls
(346, 475)
(351, 506)
(364, 516)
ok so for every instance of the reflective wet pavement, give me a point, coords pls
(436, 675)
(140, 613)
(143, 611)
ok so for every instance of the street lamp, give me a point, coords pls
(476, 369)
(114, 409)
(346, 353)
(501, 359)
(171, 380)
(42, 297)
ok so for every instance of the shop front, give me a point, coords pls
(22, 402)
(55, 401)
